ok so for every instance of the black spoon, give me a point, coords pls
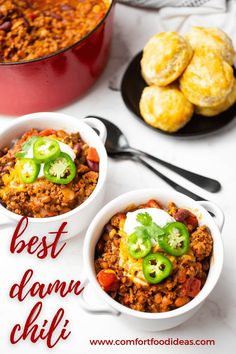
(176, 186)
(116, 143)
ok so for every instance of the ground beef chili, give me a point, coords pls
(188, 275)
(31, 29)
(43, 198)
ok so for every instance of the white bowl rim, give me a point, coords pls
(102, 175)
(195, 302)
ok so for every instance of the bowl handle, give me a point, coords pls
(88, 308)
(216, 211)
(98, 126)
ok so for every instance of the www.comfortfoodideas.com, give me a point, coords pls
(153, 342)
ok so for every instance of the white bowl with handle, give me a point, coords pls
(78, 218)
(144, 320)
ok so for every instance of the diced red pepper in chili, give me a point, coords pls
(191, 287)
(153, 204)
(191, 222)
(92, 155)
(32, 16)
(47, 132)
(108, 280)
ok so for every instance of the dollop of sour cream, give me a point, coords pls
(64, 148)
(159, 217)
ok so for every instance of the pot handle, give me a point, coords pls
(98, 126)
(214, 209)
(5, 222)
(88, 308)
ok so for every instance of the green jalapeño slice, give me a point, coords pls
(46, 149)
(29, 170)
(156, 268)
(62, 170)
(139, 245)
(175, 241)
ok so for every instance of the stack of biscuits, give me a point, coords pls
(187, 74)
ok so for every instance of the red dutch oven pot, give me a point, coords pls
(52, 82)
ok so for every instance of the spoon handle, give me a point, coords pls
(173, 184)
(207, 183)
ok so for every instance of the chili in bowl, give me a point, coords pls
(153, 259)
(47, 173)
(153, 256)
(52, 169)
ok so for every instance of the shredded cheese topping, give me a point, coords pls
(133, 268)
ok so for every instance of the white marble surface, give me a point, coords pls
(213, 155)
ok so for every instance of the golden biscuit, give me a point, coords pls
(165, 57)
(212, 38)
(214, 111)
(165, 108)
(208, 79)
